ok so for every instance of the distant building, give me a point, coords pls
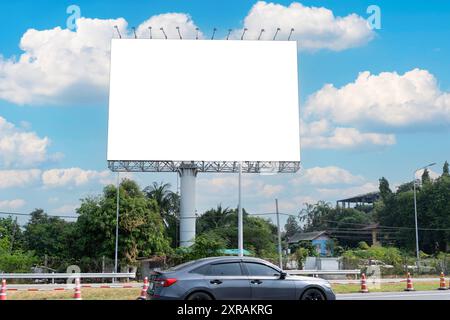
(359, 200)
(319, 240)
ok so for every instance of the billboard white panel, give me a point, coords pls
(199, 100)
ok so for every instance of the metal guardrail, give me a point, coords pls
(65, 275)
(354, 272)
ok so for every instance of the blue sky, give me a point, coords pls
(402, 122)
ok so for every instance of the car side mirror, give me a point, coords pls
(283, 275)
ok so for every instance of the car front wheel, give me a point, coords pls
(313, 294)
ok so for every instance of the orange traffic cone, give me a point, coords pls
(143, 295)
(77, 294)
(363, 284)
(409, 283)
(442, 284)
(3, 291)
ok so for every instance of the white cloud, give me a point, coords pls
(227, 187)
(12, 204)
(74, 177)
(337, 193)
(60, 66)
(20, 148)
(66, 209)
(388, 100)
(367, 112)
(341, 137)
(326, 176)
(315, 28)
(18, 178)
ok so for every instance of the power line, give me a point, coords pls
(29, 214)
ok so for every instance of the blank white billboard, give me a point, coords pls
(199, 100)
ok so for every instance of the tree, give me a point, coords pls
(11, 232)
(213, 219)
(341, 222)
(385, 191)
(141, 231)
(291, 227)
(426, 177)
(259, 234)
(47, 235)
(445, 170)
(169, 207)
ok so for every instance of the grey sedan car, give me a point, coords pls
(234, 278)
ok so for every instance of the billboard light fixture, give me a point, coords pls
(118, 32)
(229, 32)
(260, 34)
(243, 33)
(276, 33)
(290, 34)
(134, 31)
(150, 29)
(214, 33)
(162, 29)
(179, 33)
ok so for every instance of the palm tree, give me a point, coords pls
(213, 218)
(167, 200)
(169, 207)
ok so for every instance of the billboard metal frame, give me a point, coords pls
(205, 166)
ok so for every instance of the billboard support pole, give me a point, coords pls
(240, 217)
(116, 249)
(188, 174)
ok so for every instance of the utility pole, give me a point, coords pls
(279, 235)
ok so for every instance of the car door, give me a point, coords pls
(266, 283)
(227, 281)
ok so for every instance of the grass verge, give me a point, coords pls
(86, 293)
(384, 287)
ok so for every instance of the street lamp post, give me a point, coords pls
(415, 214)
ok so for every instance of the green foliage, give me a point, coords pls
(47, 235)
(291, 227)
(259, 234)
(426, 177)
(388, 255)
(141, 230)
(168, 206)
(363, 245)
(385, 190)
(321, 216)
(17, 261)
(445, 169)
(303, 250)
(433, 210)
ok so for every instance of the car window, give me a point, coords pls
(182, 266)
(204, 270)
(258, 269)
(226, 269)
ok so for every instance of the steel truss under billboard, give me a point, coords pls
(205, 166)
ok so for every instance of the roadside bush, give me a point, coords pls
(17, 261)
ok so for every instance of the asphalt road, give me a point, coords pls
(411, 295)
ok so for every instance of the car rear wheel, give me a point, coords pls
(313, 294)
(199, 296)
